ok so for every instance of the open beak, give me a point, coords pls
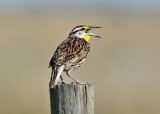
(91, 34)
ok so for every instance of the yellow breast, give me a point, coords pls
(86, 37)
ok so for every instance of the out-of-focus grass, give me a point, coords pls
(123, 65)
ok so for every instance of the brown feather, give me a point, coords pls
(70, 53)
(69, 49)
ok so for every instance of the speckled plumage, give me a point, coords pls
(70, 53)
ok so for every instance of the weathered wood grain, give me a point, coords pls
(72, 99)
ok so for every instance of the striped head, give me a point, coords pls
(82, 32)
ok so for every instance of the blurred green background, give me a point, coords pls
(124, 65)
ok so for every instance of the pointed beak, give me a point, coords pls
(94, 27)
(91, 34)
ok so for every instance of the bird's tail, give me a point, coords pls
(55, 75)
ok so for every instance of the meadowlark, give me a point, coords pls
(71, 53)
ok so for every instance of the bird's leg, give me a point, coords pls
(77, 81)
(63, 82)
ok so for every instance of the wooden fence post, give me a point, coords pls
(72, 99)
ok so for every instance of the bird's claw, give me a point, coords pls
(78, 82)
(63, 82)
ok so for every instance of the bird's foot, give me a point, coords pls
(63, 82)
(78, 82)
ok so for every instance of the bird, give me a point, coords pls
(71, 54)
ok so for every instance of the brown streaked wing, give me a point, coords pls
(70, 49)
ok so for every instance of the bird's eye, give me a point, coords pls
(79, 33)
(83, 28)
